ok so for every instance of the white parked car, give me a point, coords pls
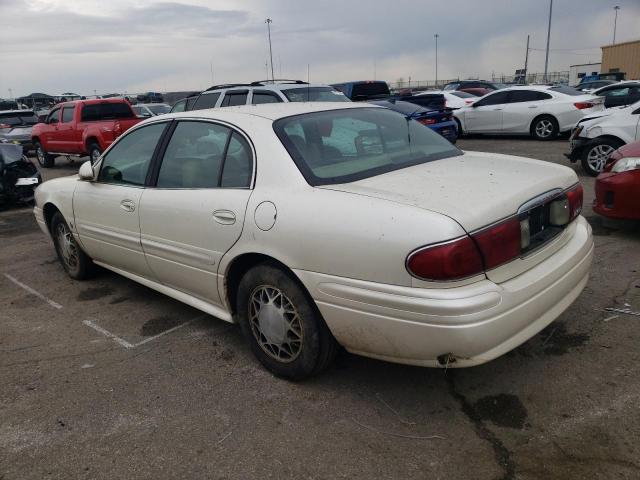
(318, 224)
(453, 98)
(595, 137)
(150, 109)
(540, 111)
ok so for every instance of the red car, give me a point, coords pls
(477, 91)
(618, 186)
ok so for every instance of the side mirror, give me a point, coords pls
(86, 171)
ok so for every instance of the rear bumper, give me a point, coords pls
(472, 324)
(618, 195)
(448, 130)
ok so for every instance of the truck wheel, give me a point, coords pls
(595, 156)
(94, 152)
(44, 159)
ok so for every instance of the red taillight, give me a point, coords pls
(448, 261)
(581, 105)
(499, 243)
(427, 121)
(575, 196)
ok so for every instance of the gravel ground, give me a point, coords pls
(182, 397)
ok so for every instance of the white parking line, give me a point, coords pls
(33, 292)
(126, 344)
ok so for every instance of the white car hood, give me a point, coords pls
(475, 189)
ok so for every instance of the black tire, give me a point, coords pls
(544, 128)
(80, 268)
(458, 126)
(44, 159)
(595, 156)
(94, 152)
(296, 349)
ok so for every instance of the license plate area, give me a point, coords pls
(543, 222)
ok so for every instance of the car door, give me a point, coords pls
(485, 115)
(50, 134)
(195, 212)
(66, 132)
(107, 210)
(523, 107)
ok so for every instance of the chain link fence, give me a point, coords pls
(530, 78)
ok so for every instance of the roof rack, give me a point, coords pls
(277, 80)
(228, 85)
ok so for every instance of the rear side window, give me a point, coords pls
(128, 160)
(233, 98)
(566, 90)
(518, 96)
(206, 100)
(205, 155)
(370, 89)
(67, 114)
(315, 94)
(264, 97)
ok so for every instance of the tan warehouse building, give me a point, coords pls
(622, 57)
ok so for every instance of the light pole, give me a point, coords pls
(436, 37)
(268, 21)
(546, 55)
(615, 23)
(11, 94)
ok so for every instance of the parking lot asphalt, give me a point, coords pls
(108, 379)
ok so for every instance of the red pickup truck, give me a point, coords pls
(82, 127)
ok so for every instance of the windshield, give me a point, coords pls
(451, 86)
(566, 90)
(159, 109)
(315, 94)
(340, 146)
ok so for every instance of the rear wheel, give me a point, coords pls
(94, 152)
(458, 127)
(595, 156)
(544, 128)
(44, 159)
(77, 264)
(282, 324)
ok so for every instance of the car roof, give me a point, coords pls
(271, 111)
(266, 86)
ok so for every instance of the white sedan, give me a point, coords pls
(540, 111)
(317, 225)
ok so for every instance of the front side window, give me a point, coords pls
(54, 116)
(179, 106)
(260, 97)
(128, 160)
(67, 114)
(341, 146)
(494, 99)
(206, 100)
(616, 92)
(315, 94)
(205, 155)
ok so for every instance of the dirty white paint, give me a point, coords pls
(34, 292)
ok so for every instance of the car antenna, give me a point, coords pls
(308, 91)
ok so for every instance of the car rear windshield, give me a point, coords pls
(370, 90)
(315, 94)
(566, 90)
(106, 111)
(340, 146)
(463, 94)
(159, 109)
(26, 118)
(451, 86)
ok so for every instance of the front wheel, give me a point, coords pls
(545, 128)
(77, 264)
(282, 324)
(595, 156)
(44, 159)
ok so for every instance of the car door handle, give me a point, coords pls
(224, 217)
(127, 205)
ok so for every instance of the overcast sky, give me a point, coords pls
(57, 46)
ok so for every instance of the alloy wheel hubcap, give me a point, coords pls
(275, 323)
(598, 156)
(544, 128)
(67, 246)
